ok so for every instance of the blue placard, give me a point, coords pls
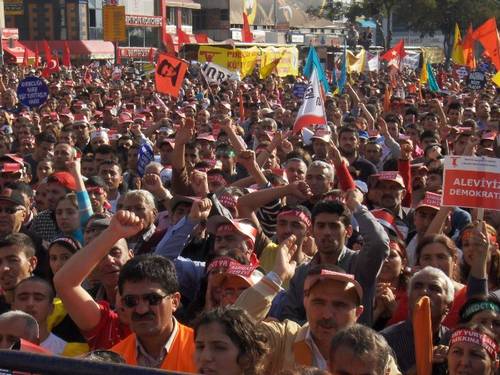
(299, 89)
(32, 92)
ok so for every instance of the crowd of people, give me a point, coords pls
(243, 247)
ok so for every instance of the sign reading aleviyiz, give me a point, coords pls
(471, 182)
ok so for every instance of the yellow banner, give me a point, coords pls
(243, 60)
(289, 62)
(235, 59)
(114, 23)
(13, 7)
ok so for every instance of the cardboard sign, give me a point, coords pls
(169, 74)
(476, 80)
(471, 182)
(32, 91)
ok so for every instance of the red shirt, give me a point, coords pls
(109, 331)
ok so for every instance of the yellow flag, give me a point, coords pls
(423, 74)
(266, 70)
(496, 79)
(356, 63)
(457, 54)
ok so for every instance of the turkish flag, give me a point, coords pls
(118, 56)
(151, 55)
(246, 34)
(52, 67)
(182, 37)
(66, 59)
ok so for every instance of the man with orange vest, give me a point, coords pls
(149, 295)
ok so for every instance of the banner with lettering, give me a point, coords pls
(244, 60)
(471, 182)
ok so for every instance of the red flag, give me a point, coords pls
(66, 59)
(52, 67)
(397, 50)
(151, 55)
(25, 58)
(201, 38)
(118, 56)
(246, 34)
(48, 52)
(422, 329)
(37, 56)
(170, 44)
(487, 34)
(169, 74)
(182, 37)
(468, 48)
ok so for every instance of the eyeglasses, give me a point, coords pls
(153, 299)
(9, 210)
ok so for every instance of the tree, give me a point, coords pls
(377, 10)
(429, 16)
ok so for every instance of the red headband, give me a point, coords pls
(298, 214)
(217, 178)
(474, 337)
(468, 234)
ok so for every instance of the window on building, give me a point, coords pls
(150, 36)
(136, 36)
(224, 14)
(187, 16)
(172, 16)
(92, 19)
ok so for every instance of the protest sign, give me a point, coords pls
(215, 73)
(471, 182)
(476, 80)
(32, 91)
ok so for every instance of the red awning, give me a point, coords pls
(16, 53)
(88, 49)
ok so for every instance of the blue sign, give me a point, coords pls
(299, 89)
(32, 91)
(146, 156)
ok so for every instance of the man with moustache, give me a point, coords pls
(332, 300)
(331, 228)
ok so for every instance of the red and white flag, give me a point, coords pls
(395, 55)
(312, 110)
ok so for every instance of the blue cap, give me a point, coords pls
(363, 134)
(361, 186)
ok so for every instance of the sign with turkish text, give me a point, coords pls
(476, 80)
(13, 7)
(471, 181)
(144, 21)
(215, 73)
(32, 91)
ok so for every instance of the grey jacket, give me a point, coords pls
(365, 265)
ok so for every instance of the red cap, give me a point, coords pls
(391, 176)
(217, 223)
(206, 137)
(431, 200)
(225, 267)
(312, 280)
(80, 117)
(66, 179)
